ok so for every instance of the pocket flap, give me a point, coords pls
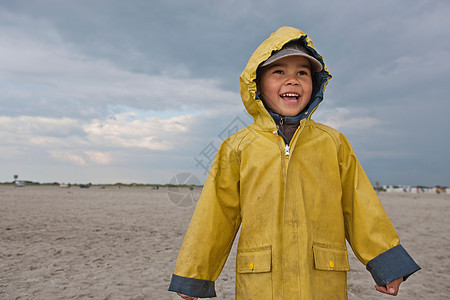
(256, 260)
(329, 257)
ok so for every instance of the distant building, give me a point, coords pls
(19, 183)
(416, 189)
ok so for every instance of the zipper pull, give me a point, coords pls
(286, 150)
(282, 124)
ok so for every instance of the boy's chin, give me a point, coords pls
(286, 111)
(289, 113)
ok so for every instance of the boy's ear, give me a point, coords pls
(258, 93)
(258, 87)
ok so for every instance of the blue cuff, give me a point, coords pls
(192, 287)
(393, 264)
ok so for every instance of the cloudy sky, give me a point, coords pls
(140, 91)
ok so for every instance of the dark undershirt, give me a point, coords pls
(287, 128)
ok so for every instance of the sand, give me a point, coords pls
(122, 244)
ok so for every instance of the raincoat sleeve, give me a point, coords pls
(368, 228)
(212, 229)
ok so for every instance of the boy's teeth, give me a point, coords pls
(289, 95)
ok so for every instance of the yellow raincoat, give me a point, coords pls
(296, 205)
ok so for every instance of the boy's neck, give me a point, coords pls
(286, 125)
(278, 117)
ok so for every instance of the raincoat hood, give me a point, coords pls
(275, 42)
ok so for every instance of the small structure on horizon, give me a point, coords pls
(85, 186)
(416, 189)
(18, 183)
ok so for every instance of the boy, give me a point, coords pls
(296, 190)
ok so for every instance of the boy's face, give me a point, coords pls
(286, 85)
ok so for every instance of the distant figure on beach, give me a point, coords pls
(295, 189)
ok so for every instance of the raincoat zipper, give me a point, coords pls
(286, 147)
(286, 151)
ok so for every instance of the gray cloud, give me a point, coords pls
(103, 77)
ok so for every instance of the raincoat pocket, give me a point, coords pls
(330, 257)
(254, 278)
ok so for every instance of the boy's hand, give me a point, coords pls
(391, 288)
(186, 297)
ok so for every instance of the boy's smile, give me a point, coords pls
(286, 85)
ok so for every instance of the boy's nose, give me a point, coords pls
(292, 81)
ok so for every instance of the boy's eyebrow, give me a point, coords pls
(274, 65)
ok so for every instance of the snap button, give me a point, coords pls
(205, 285)
(331, 263)
(250, 266)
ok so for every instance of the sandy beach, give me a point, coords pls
(122, 243)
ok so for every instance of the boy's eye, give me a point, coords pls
(278, 71)
(302, 73)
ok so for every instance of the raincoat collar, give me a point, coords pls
(277, 117)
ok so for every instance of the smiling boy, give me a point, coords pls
(295, 189)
